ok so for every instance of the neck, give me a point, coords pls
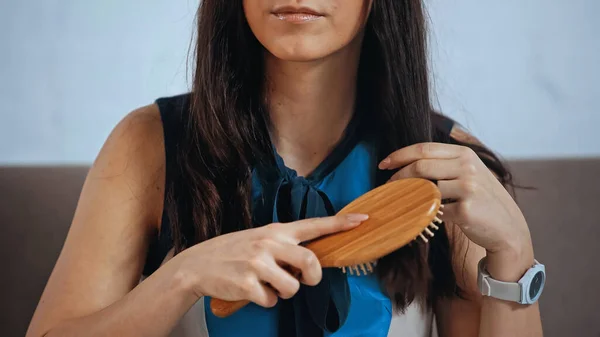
(310, 105)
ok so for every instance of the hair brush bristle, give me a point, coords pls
(369, 267)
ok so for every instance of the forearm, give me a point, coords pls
(502, 318)
(153, 308)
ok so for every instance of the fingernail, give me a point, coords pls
(356, 218)
(385, 164)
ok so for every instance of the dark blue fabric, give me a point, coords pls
(324, 307)
(280, 195)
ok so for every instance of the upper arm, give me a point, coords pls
(118, 210)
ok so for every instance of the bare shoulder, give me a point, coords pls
(137, 136)
(133, 156)
(118, 209)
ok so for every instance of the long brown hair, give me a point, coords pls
(226, 132)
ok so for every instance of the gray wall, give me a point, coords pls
(523, 75)
(70, 70)
(520, 74)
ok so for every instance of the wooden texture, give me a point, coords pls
(398, 213)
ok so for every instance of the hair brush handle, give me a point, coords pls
(222, 308)
(399, 212)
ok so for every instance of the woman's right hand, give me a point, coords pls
(250, 264)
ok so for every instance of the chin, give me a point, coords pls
(299, 55)
(301, 49)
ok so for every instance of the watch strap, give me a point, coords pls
(508, 291)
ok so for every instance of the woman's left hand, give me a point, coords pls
(482, 208)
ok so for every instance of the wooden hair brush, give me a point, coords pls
(399, 212)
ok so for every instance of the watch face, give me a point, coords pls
(536, 284)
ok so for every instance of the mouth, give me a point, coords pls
(296, 14)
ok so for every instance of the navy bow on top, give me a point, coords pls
(325, 306)
(286, 197)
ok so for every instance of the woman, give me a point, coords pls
(204, 193)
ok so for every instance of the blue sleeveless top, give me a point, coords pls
(341, 305)
(347, 173)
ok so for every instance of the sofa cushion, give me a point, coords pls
(37, 204)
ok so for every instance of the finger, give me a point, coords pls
(435, 169)
(260, 293)
(415, 152)
(309, 229)
(285, 285)
(458, 189)
(301, 259)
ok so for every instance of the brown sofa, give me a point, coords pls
(37, 205)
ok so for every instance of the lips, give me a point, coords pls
(297, 14)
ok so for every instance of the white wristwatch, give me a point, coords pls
(526, 291)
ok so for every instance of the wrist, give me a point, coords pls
(182, 280)
(510, 264)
